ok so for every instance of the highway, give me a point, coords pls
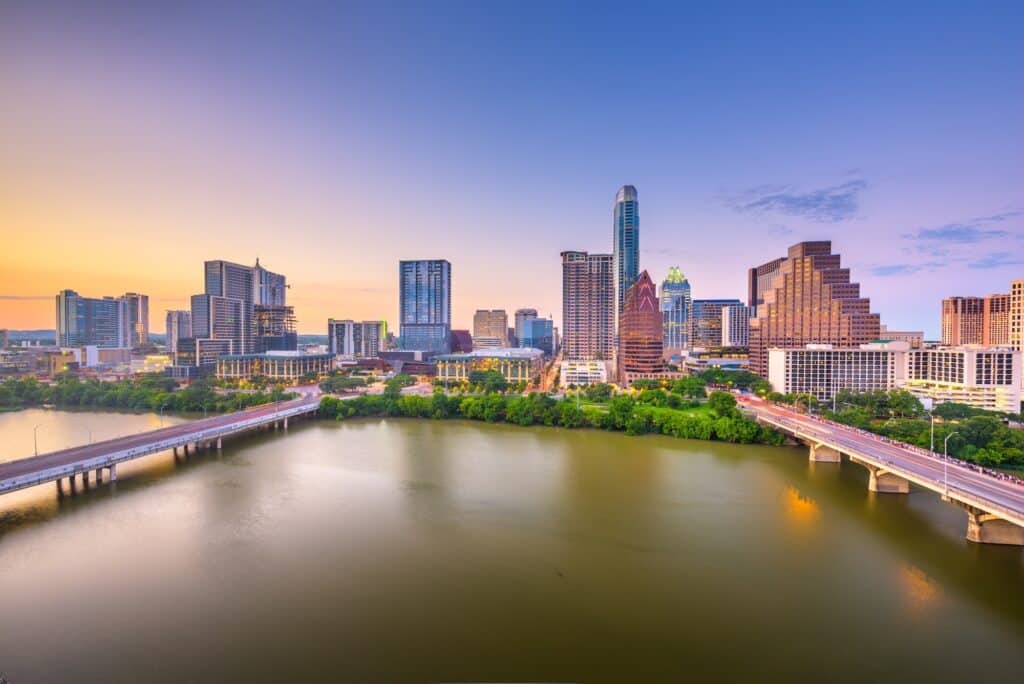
(34, 470)
(1003, 497)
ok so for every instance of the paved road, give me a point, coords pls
(1002, 493)
(68, 457)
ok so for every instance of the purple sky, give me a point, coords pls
(135, 143)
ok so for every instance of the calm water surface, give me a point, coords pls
(421, 551)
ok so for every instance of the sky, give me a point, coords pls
(331, 141)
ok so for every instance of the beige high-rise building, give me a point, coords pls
(810, 300)
(588, 306)
(491, 324)
(996, 321)
(1016, 315)
(963, 321)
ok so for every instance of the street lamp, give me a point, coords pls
(945, 462)
(35, 437)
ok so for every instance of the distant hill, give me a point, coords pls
(41, 336)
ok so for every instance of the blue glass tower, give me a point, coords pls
(425, 304)
(626, 243)
(675, 310)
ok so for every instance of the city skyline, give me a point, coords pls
(224, 153)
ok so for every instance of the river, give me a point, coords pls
(425, 551)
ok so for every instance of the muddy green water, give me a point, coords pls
(424, 551)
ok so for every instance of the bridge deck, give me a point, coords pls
(980, 490)
(28, 472)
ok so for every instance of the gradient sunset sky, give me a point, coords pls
(332, 141)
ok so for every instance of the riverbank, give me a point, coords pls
(718, 420)
(143, 393)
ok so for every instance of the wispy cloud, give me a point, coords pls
(25, 298)
(826, 205)
(885, 270)
(941, 241)
(996, 260)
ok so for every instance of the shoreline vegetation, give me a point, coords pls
(146, 392)
(649, 411)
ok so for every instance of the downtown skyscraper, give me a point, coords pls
(425, 304)
(640, 331)
(626, 243)
(675, 309)
(809, 300)
(588, 306)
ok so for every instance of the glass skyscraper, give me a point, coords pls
(425, 304)
(675, 309)
(89, 321)
(626, 240)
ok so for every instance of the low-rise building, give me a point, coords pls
(984, 377)
(822, 371)
(275, 366)
(514, 364)
(580, 372)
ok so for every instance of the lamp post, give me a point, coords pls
(35, 437)
(931, 446)
(945, 462)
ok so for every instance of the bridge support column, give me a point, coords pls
(824, 454)
(985, 528)
(113, 473)
(887, 483)
(286, 423)
(85, 479)
(98, 475)
(60, 486)
(218, 443)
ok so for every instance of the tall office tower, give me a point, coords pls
(274, 328)
(1017, 314)
(240, 284)
(357, 339)
(89, 321)
(704, 327)
(640, 333)
(963, 320)
(759, 279)
(523, 315)
(588, 306)
(137, 306)
(626, 243)
(996, 321)
(539, 333)
(736, 325)
(179, 325)
(675, 309)
(222, 318)
(810, 300)
(491, 324)
(270, 287)
(425, 304)
(4, 338)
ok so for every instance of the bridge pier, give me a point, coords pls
(60, 486)
(824, 454)
(286, 422)
(218, 443)
(882, 481)
(985, 528)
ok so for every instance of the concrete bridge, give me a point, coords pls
(101, 457)
(995, 508)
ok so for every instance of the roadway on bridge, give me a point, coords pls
(68, 457)
(986, 487)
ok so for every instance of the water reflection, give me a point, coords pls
(407, 550)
